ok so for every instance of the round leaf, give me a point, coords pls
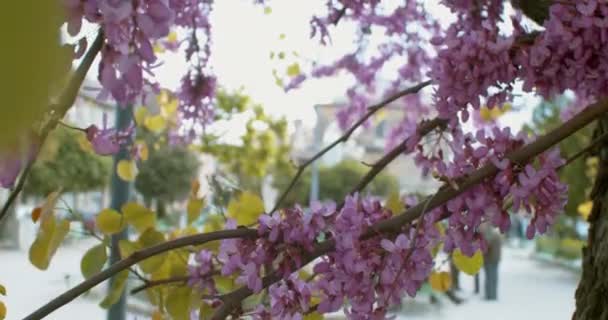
(93, 260)
(126, 170)
(178, 303)
(109, 221)
(468, 265)
(2, 310)
(140, 217)
(440, 281)
(195, 206)
(246, 209)
(155, 123)
(150, 238)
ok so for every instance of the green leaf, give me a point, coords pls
(109, 221)
(2, 290)
(246, 208)
(147, 239)
(93, 261)
(51, 234)
(140, 217)
(468, 265)
(178, 303)
(116, 289)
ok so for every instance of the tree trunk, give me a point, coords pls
(592, 292)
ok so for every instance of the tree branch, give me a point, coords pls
(394, 224)
(153, 283)
(58, 111)
(134, 258)
(371, 110)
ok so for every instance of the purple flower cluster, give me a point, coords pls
(107, 141)
(200, 274)
(539, 191)
(570, 53)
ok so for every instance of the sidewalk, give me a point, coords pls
(527, 289)
(29, 288)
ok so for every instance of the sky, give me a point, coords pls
(244, 36)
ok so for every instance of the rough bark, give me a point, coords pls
(592, 292)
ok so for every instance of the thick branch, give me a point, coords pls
(58, 112)
(371, 110)
(394, 224)
(132, 260)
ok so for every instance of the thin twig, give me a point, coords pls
(585, 150)
(371, 110)
(58, 111)
(154, 283)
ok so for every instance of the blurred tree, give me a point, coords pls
(261, 150)
(166, 176)
(65, 163)
(335, 183)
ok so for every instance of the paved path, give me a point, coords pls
(527, 290)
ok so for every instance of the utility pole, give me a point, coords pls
(120, 190)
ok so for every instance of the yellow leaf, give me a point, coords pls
(140, 115)
(116, 288)
(47, 241)
(144, 152)
(2, 290)
(172, 36)
(168, 109)
(584, 209)
(246, 208)
(47, 209)
(194, 209)
(158, 48)
(109, 221)
(394, 203)
(2, 311)
(293, 70)
(93, 260)
(440, 281)
(84, 143)
(140, 217)
(468, 265)
(127, 247)
(155, 123)
(34, 77)
(267, 10)
(178, 262)
(157, 315)
(224, 284)
(313, 316)
(195, 187)
(126, 170)
(205, 312)
(147, 239)
(178, 303)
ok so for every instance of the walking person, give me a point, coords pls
(491, 259)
